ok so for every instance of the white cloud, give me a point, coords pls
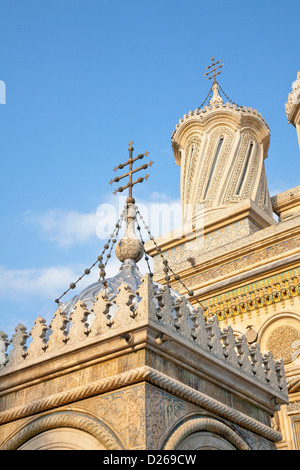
(65, 228)
(68, 228)
(32, 291)
(48, 282)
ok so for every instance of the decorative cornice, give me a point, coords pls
(265, 249)
(236, 117)
(259, 294)
(218, 219)
(145, 308)
(144, 373)
(286, 200)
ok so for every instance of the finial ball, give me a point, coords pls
(129, 248)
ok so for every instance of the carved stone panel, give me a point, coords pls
(284, 342)
(124, 412)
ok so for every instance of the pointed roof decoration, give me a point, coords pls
(129, 250)
(215, 101)
(215, 88)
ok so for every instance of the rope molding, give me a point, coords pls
(75, 394)
(144, 373)
(185, 392)
(204, 424)
(293, 384)
(60, 419)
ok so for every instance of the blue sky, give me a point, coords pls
(82, 79)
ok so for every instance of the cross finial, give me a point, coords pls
(212, 69)
(131, 183)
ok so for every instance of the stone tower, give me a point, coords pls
(221, 149)
(242, 264)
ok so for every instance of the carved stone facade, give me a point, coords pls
(152, 374)
(246, 264)
(131, 364)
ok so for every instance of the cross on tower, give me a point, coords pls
(213, 72)
(131, 183)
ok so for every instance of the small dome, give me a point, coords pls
(130, 275)
(129, 251)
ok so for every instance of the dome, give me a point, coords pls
(128, 275)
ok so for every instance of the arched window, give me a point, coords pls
(246, 164)
(190, 159)
(213, 165)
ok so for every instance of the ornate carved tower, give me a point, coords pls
(221, 149)
(243, 266)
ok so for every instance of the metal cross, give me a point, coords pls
(214, 69)
(131, 183)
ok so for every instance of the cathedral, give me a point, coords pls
(203, 353)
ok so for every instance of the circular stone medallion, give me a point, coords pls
(283, 342)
